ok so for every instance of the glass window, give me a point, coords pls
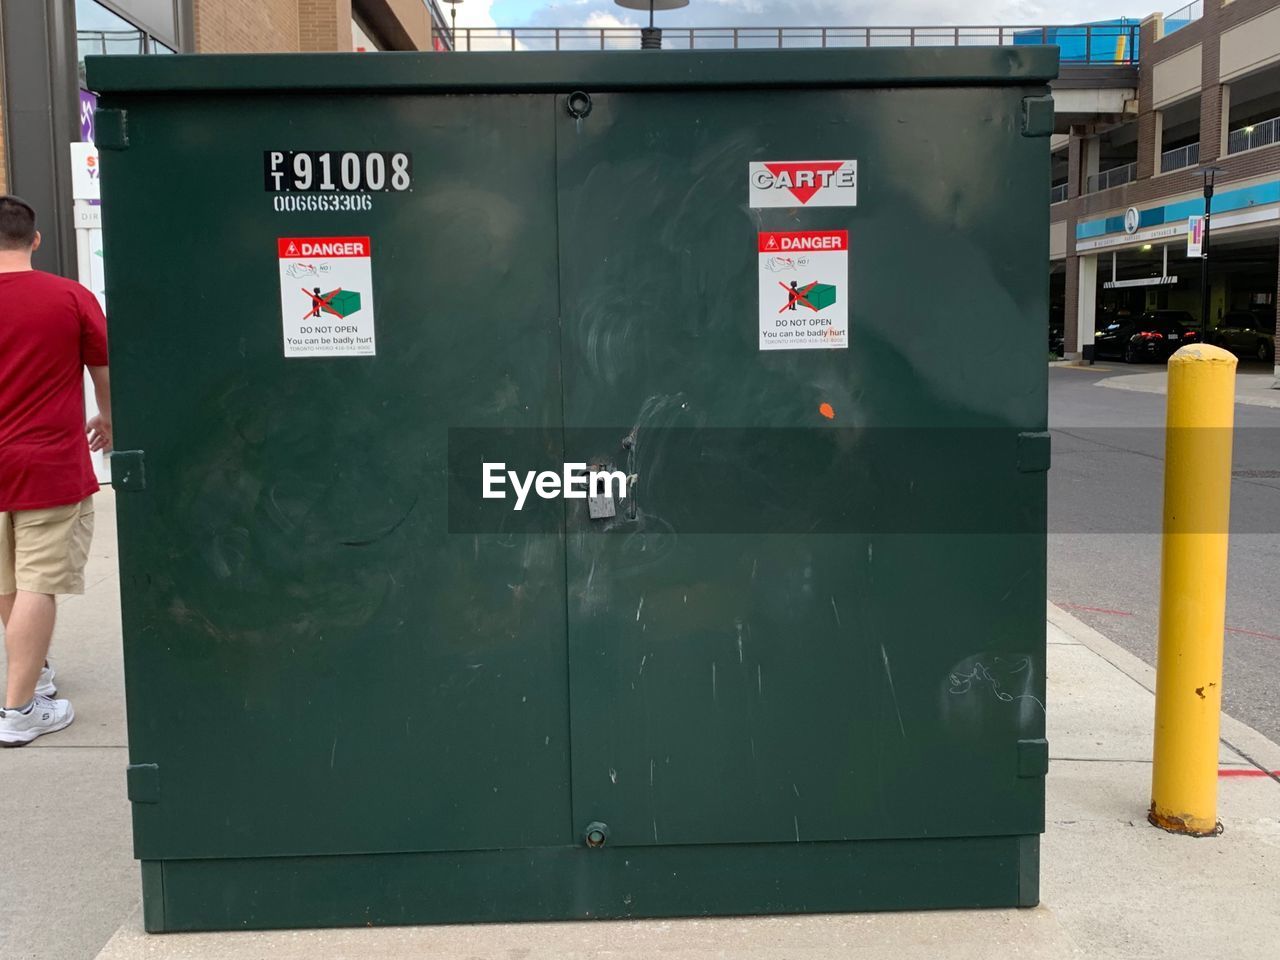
(101, 31)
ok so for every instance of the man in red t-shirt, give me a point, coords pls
(50, 330)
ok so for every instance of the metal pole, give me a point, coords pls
(1193, 590)
(1204, 261)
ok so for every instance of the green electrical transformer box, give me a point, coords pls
(788, 655)
(343, 303)
(821, 295)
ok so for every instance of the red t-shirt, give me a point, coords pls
(50, 330)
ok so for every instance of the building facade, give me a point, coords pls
(1126, 186)
(45, 112)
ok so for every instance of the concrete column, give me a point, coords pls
(1075, 163)
(1215, 108)
(1091, 152)
(1150, 30)
(1150, 122)
(1150, 143)
(1086, 301)
(1224, 121)
(42, 117)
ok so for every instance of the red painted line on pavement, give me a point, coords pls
(1248, 772)
(1253, 633)
(1125, 613)
(1114, 613)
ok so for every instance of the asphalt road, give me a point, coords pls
(1105, 502)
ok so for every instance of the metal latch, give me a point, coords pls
(601, 507)
(1033, 452)
(128, 470)
(144, 782)
(111, 129)
(1033, 758)
(1037, 116)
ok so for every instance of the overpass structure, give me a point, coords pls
(1098, 80)
(1143, 110)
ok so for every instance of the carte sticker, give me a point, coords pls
(804, 183)
(326, 296)
(804, 290)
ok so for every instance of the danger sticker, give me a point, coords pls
(326, 296)
(804, 290)
(804, 183)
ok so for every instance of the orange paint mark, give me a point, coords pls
(827, 411)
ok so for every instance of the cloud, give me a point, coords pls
(597, 21)
(474, 13)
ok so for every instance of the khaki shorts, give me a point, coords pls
(44, 551)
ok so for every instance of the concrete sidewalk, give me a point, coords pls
(1112, 886)
(69, 877)
(1255, 389)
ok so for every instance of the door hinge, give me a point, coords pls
(1033, 758)
(128, 470)
(144, 782)
(1037, 116)
(111, 129)
(1033, 452)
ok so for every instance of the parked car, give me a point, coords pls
(1152, 336)
(1247, 334)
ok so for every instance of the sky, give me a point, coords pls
(809, 13)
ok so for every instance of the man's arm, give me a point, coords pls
(99, 427)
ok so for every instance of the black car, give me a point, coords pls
(1152, 336)
(1247, 334)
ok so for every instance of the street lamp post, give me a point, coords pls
(453, 19)
(1209, 173)
(651, 36)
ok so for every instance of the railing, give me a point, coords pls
(1111, 178)
(1173, 22)
(1058, 193)
(111, 41)
(1255, 135)
(1180, 157)
(1090, 44)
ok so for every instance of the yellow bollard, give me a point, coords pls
(1193, 590)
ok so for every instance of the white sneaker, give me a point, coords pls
(45, 716)
(44, 686)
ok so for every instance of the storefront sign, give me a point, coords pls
(88, 104)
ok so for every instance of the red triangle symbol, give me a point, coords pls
(804, 193)
(292, 251)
